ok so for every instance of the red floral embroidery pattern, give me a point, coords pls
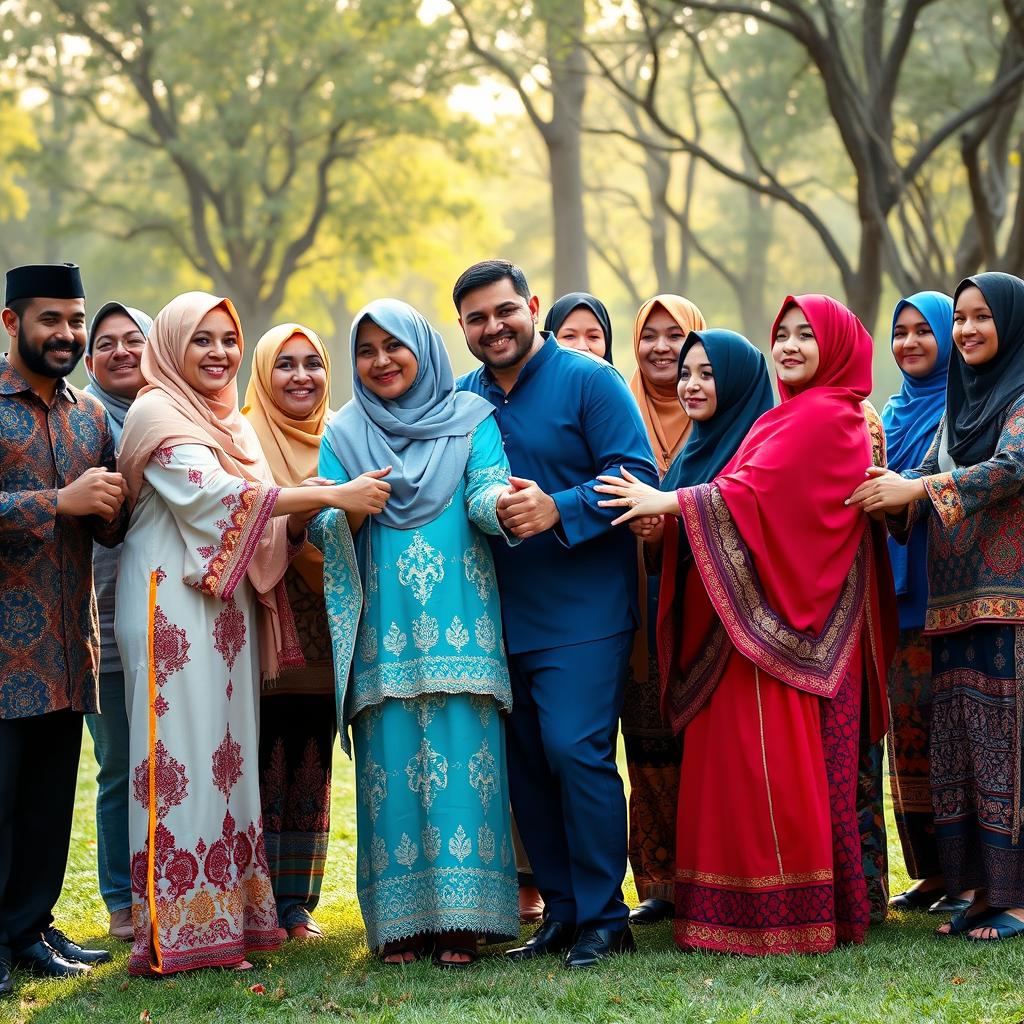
(170, 647)
(232, 851)
(227, 764)
(195, 476)
(171, 782)
(232, 528)
(177, 867)
(229, 632)
(163, 456)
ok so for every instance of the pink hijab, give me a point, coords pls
(169, 412)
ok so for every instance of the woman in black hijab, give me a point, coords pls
(971, 488)
(579, 320)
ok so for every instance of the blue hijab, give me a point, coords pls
(910, 419)
(116, 406)
(423, 435)
(744, 391)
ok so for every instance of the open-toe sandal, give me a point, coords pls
(961, 923)
(455, 964)
(1004, 924)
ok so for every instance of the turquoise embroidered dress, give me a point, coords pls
(428, 684)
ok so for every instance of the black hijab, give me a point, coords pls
(744, 391)
(979, 398)
(560, 310)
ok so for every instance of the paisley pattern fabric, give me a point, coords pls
(433, 820)
(186, 627)
(49, 636)
(976, 759)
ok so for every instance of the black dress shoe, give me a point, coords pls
(6, 984)
(597, 944)
(914, 899)
(44, 961)
(949, 905)
(550, 937)
(651, 912)
(73, 951)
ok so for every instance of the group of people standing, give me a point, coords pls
(472, 583)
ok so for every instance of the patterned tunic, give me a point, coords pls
(186, 627)
(49, 639)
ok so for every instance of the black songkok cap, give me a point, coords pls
(44, 281)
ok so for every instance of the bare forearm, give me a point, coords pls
(298, 500)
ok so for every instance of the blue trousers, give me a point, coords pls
(566, 792)
(110, 739)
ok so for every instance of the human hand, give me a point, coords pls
(97, 492)
(638, 498)
(298, 521)
(366, 495)
(885, 492)
(525, 510)
(648, 528)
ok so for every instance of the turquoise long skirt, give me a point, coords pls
(434, 835)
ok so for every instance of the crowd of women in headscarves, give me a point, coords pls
(812, 579)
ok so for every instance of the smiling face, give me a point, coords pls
(661, 338)
(213, 353)
(795, 349)
(298, 381)
(696, 387)
(499, 324)
(49, 336)
(582, 331)
(913, 343)
(974, 327)
(386, 367)
(117, 354)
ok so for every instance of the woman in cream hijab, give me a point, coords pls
(201, 615)
(287, 404)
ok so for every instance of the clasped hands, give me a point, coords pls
(645, 505)
(97, 492)
(885, 492)
(524, 510)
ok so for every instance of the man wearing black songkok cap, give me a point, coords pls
(58, 492)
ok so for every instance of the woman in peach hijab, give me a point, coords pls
(652, 752)
(287, 404)
(201, 615)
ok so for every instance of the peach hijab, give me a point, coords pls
(291, 446)
(667, 424)
(169, 412)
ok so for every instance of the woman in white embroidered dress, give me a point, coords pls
(200, 614)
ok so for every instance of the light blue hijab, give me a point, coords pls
(423, 435)
(116, 406)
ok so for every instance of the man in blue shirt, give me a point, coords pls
(569, 604)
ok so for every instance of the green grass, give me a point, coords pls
(902, 974)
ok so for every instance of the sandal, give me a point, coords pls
(1003, 923)
(917, 899)
(455, 964)
(400, 949)
(960, 924)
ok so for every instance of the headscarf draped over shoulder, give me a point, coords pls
(978, 398)
(170, 412)
(561, 308)
(291, 446)
(423, 435)
(667, 424)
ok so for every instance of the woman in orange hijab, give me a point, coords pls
(287, 404)
(652, 752)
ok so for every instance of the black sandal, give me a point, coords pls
(419, 952)
(459, 965)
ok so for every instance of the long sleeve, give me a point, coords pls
(486, 476)
(109, 534)
(964, 491)
(33, 512)
(616, 436)
(900, 526)
(221, 518)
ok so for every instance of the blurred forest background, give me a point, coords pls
(306, 156)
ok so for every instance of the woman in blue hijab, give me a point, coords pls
(429, 682)
(922, 342)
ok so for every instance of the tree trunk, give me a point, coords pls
(563, 138)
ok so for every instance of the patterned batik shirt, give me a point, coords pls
(49, 635)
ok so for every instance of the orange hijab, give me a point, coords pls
(291, 446)
(169, 412)
(668, 426)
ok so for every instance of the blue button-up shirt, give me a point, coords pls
(568, 419)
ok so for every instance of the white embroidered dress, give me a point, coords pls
(186, 628)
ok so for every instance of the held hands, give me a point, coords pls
(367, 494)
(97, 492)
(640, 499)
(885, 492)
(648, 528)
(525, 510)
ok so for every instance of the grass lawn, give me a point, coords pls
(901, 974)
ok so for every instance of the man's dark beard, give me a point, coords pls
(35, 359)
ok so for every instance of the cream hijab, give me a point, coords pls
(169, 412)
(291, 446)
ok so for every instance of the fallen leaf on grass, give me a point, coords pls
(957, 981)
(144, 1017)
(258, 989)
(615, 999)
(279, 993)
(123, 987)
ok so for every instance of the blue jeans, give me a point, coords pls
(110, 737)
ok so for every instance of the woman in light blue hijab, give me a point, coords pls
(429, 681)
